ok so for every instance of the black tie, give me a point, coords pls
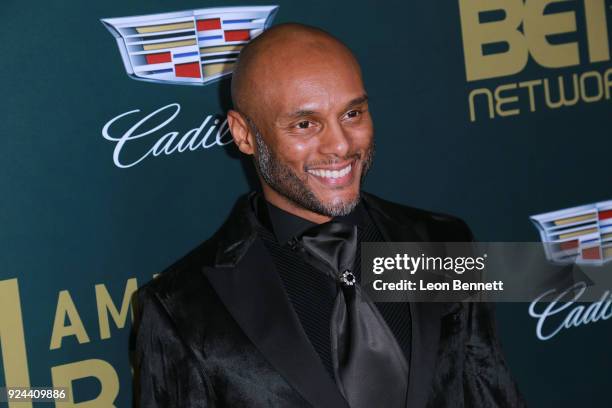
(369, 366)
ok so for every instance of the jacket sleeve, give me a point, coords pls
(487, 381)
(166, 373)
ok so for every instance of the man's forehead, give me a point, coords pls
(314, 104)
(311, 87)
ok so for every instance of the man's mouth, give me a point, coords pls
(334, 176)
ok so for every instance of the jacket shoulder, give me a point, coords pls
(182, 277)
(185, 276)
(433, 226)
(179, 301)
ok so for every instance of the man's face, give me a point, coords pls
(314, 135)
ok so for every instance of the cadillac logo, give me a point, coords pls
(580, 234)
(192, 47)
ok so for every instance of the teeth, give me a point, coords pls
(332, 173)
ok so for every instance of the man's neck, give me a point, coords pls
(289, 206)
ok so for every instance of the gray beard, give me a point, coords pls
(282, 179)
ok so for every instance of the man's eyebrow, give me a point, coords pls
(306, 112)
(300, 113)
(357, 101)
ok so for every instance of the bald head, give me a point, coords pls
(301, 111)
(273, 53)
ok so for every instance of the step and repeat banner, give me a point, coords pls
(116, 160)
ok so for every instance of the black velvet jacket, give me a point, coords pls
(216, 329)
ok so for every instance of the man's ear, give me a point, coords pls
(241, 132)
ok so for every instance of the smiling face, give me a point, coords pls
(308, 127)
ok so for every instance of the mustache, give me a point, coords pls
(352, 157)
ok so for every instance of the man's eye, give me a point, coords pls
(303, 124)
(353, 114)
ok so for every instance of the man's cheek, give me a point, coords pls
(361, 138)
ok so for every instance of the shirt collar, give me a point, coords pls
(285, 225)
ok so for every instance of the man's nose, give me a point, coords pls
(335, 140)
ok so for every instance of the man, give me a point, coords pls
(269, 311)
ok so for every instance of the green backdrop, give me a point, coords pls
(77, 233)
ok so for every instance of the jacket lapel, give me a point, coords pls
(245, 279)
(395, 225)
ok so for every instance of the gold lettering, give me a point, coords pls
(66, 308)
(537, 26)
(562, 99)
(597, 30)
(472, 97)
(475, 35)
(501, 100)
(583, 89)
(12, 340)
(530, 85)
(608, 82)
(64, 375)
(105, 306)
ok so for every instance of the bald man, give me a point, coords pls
(269, 311)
